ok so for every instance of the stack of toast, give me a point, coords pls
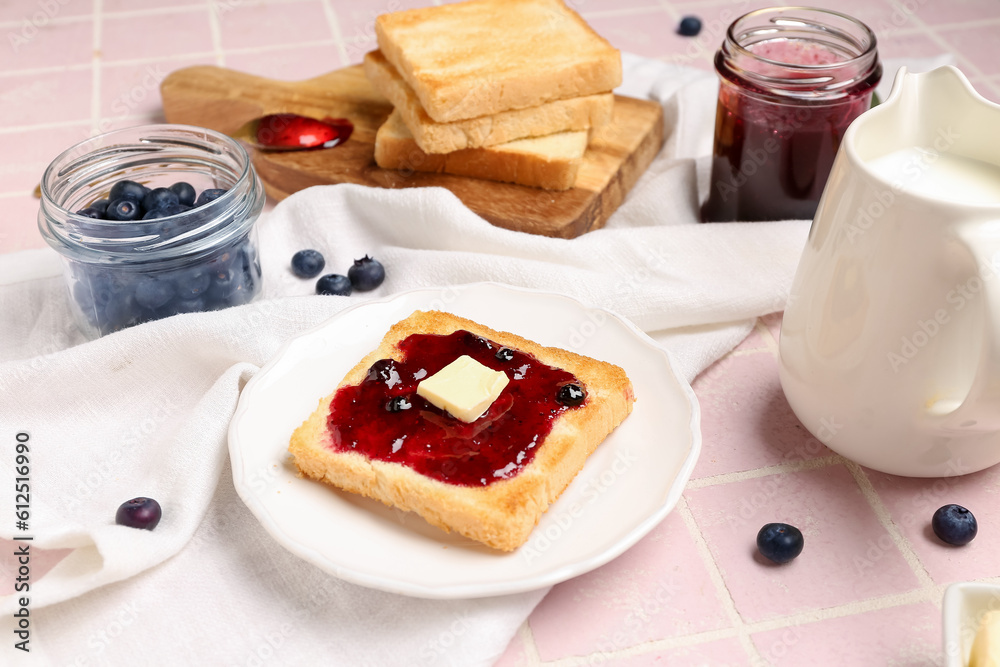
(505, 90)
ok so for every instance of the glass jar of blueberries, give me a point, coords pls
(153, 221)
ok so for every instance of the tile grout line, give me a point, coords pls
(915, 596)
(767, 471)
(96, 58)
(215, 28)
(528, 641)
(718, 581)
(885, 518)
(935, 37)
(334, 22)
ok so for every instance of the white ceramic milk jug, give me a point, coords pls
(890, 344)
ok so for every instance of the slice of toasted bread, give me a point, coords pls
(577, 113)
(550, 162)
(481, 57)
(500, 514)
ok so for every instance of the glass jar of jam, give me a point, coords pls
(196, 254)
(792, 80)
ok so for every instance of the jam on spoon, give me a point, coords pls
(292, 132)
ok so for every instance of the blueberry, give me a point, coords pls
(228, 288)
(366, 274)
(191, 283)
(123, 209)
(152, 292)
(91, 212)
(398, 404)
(165, 211)
(384, 371)
(159, 198)
(196, 305)
(127, 190)
(779, 542)
(185, 193)
(100, 204)
(143, 513)
(504, 354)
(334, 284)
(476, 342)
(209, 195)
(307, 263)
(689, 26)
(571, 394)
(954, 525)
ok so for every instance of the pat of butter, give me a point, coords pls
(465, 388)
(986, 646)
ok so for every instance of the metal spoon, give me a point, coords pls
(292, 132)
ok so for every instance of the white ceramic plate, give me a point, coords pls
(964, 606)
(627, 486)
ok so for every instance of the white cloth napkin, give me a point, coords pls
(145, 412)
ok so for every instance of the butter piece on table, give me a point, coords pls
(986, 646)
(465, 388)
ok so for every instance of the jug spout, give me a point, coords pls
(938, 111)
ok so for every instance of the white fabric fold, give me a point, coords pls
(145, 411)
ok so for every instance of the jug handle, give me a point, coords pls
(980, 411)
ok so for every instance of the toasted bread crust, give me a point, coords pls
(550, 162)
(481, 57)
(503, 514)
(578, 113)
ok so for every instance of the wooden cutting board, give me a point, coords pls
(223, 100)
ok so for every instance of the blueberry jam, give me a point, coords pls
(432, 442)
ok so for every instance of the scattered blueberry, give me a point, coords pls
(160, 198)
(209, 195)
(504, 354)
(398, 404)
(143, 513)
(100, 204)
(307, 263)
(91, 212)
(334, 284)
(127, 190)
(123, 209)
(780, 542)
(571, 394)
(689, 26)
(954, 525)
(366, 274)
(185, 193)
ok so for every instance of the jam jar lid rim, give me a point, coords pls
(868, 53)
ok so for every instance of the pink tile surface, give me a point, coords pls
(843, 540)
(861, 639)
(131, 37)
(38, 15)
(692, 593)
(54, 44)
(26, 155)
(131, 90)
(248, 26)
(48, 97)
(978, 44)
(746, 421)
(292, 63)
(627, 603)
(912, 503)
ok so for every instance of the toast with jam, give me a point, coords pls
(489, 475)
